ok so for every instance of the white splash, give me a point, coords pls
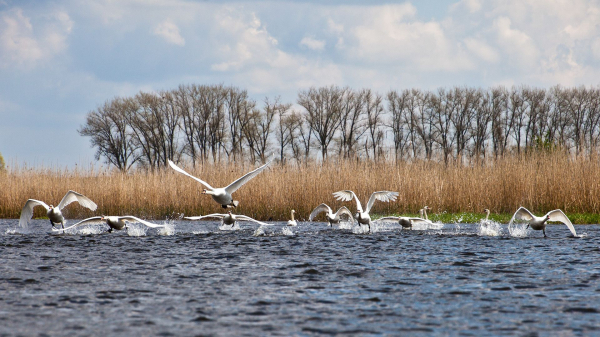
(89, 230)
(259, 232)
(518, 230)
(169, 229)
(287, 231)
(225, 227)
(345, 225)
(18, 230)
(489, 228)
(136, 230)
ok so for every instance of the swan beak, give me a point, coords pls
(204, 191)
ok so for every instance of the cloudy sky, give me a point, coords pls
(62, 59)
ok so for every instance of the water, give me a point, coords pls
(307, 280)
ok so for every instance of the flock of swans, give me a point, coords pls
(223, 196)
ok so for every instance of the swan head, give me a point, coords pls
(426, 208)
(205, 191)
(51, 206)
(486, 211)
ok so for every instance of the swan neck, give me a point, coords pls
(292, 212)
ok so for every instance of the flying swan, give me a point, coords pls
(227, 219)
(363, 217)
(539, 223)
(405, 221)
(223, 195)
(54, 213)
(332, 218)
(114, 222)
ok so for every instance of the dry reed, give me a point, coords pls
(539, 182)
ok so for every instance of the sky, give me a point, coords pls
(60, 60)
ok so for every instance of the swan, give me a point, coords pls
(405, 221)
(54, 213)
(223, 195)
(292, 222)
(539, 223)
(362, 216)
(332, 218)
(114, 222)
(487, 214)
(227, 219)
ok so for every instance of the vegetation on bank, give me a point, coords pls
(540, 182)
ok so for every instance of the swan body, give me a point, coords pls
(404, 221)
(114, 222)
(539, 223)
(227, 219)
(362, 216)
(292, 222)
(222, 195)
(54, 213)
(332, 218)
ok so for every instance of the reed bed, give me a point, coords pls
(540, 182)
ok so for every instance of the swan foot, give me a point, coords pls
(110, 230)
(544, 231)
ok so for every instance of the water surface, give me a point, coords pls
(307, 280)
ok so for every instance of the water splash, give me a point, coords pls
(17, 231)
(345, 225)
(169, 229)
(363, 229)
(259, 231)
(87, 230)
(224, 227)
(136, 230)
(489, 228)
(287, 231)
(518, 230)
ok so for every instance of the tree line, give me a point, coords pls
(214, 123)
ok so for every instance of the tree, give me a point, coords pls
(109, 131)
(323, 107)
(2, 164)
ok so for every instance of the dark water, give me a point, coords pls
(203, 281)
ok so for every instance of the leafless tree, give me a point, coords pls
(374, 111)
(110, 133)
(323, 113)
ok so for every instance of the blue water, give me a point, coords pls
(307, 280)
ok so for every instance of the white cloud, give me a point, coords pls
(19, 44)
(170, 32)
(313, 44)
(515, 44)
(482, 50)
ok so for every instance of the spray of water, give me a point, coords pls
(287, 231)
(489, 228)
(136, 230)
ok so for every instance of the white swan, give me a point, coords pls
(292, 222)
(332, 218)
(539, 223)
(54, 213)
(223, 195)
(405, 221)
(487, 214)
(362, 216)
(114, 222)
(227, 219)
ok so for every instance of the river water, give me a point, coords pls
(197, 279)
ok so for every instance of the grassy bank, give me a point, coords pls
(541, 183)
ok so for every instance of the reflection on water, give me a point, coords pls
(194, 278)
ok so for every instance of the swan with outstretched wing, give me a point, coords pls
(55, 213)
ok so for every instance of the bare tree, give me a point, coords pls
(401, 107)
(110, 134)
(323, 107)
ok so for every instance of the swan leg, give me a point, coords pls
(224, 206)
(544, 231)
(110, 230)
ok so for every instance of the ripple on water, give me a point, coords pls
(319, 280)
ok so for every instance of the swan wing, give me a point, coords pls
(558, 215)
(522, 214)
(419, 221)
(347, 195)
(215, 215)
(388, 218)
(384, 196)
(130, 218)
(80, 198)
(246, 177)
(176, 168)
(88, 221)
(247, 218)
(27, 211)
(344, 211)
(317, 210)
